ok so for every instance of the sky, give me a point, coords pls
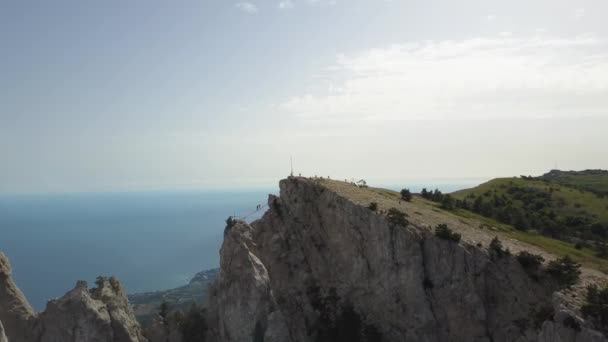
(121, 95)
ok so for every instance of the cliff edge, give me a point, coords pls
(321, 266)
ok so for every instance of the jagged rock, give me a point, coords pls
(245, 306)
(2, 335)
(16, 313)
(327, 269)
(101, 314)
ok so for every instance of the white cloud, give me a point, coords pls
(497, 77)
(579, 13)
(247, 7)
(323, 2)
(286, 4)
(490, 17)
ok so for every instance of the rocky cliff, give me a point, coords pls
(321, 266)
(101, 314)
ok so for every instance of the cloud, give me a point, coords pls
(286, 4)
(323, 2)
(579, 13)
(490, 17)
(480, 78)
(247, 7)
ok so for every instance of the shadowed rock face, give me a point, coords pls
(318, 267)
(101, 314)
(16, 313)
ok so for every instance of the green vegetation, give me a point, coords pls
(443, 232)
(397, 217)
(496, 250)
(565, 271)
(373, 206)
(163, 311)
(530, 261)
(193, 325)
(572, 215)
(596, 307)
(595, 181)
(230, 222)
(406, 195)
(585, 256)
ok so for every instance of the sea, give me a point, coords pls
(149, 240)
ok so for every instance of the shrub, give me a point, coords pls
(230, 222)
(596, 306)
(448, 203)
(163, 311)
(496, 249)
(406, 195)
(530, 261)
(443, 232)
(397, 217)
(565, 271)
(193, 325)
(373, 206)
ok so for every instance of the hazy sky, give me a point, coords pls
(121, 95)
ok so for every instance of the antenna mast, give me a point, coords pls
(291, 162)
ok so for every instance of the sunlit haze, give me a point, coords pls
(143, 95)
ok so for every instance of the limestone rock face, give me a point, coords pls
(2, 335)
(245, 306)
(102, 314)
(318, 267)
(16, 313)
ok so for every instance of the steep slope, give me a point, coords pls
(146, 305)
(321, 266)
(101, 314)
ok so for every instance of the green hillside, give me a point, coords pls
(595, 181)
(567, 201)
(558, 211)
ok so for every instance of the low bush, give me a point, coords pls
(443, 232)
(406, 195)
(373, 206)
(565, 271)
(530, 261)
(397, 217)
(496, 250)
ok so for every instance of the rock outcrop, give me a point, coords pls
(2, 334)
(101, 314)
(245, 305)
(16, 313)
(318, 267)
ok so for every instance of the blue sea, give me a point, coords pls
(149, 240)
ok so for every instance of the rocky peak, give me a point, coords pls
(102, 314)
(321, 266)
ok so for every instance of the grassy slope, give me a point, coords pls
(595, 180)
(588, 203)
